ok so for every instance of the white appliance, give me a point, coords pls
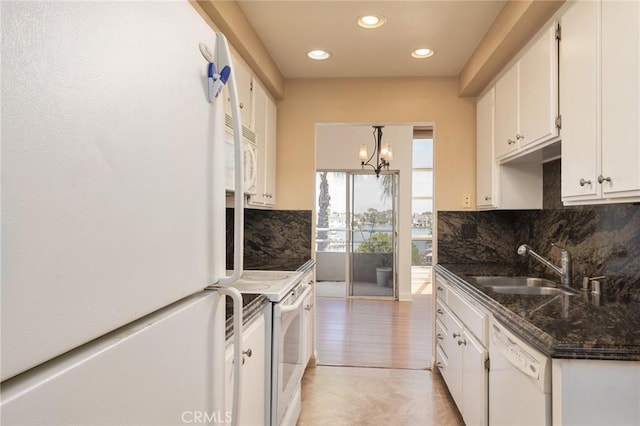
(250, 159)
(289, 296)
(519, 380)
(113, 215)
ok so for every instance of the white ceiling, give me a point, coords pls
(289, 29)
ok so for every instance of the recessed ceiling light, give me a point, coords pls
(319, 55)
(422, 53)
(371, 21)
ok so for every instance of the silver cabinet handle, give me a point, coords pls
(440, 311)
(439, 336)
(510, 141)
(241, 105)
(456, 335)
(584, 182)
(487, 198)
(440, 288)
(439, 364)
(519, 136)
(248, 352)
(462, 342)
(602, 179)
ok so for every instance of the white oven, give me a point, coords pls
(288, 355)
(288, 292)
(250, 160)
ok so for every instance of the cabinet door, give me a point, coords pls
(244, 84)
(506, 110)
(253, 385)
(260, 120)
(270, 162)
(579, 102)
(451, 347)
(538, 91)
(621, 98)
(475, 389)
(486, 183)
(253, 376)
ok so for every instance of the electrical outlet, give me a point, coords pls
(466, 201)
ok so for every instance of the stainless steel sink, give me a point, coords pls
(541, 291)
(501, 281)
(522, 285)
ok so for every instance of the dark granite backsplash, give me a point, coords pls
(602, 239)
(271, 235)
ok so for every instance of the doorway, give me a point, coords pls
(356, 234)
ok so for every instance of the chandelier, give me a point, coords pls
(381, 152)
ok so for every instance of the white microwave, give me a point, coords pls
(249, 157)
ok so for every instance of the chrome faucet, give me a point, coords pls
(565, 262)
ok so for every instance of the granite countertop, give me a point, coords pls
(573, 327)
(252, 305)
(275, 264)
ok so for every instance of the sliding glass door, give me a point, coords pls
(356, 234)
(371, 234)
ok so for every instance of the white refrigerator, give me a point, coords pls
(113, 209)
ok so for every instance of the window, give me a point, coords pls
(331, 223)
(422, 197)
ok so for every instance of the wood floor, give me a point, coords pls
(373, 358)
(374, 333)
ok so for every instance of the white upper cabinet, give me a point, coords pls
(538, 90)
(526, 99)
(265, 127)
(244, 83)
(620, 98)
(578, 101)
(270, 160)
(506, 113)
(486, 182)
(600, 96)
(514, 185)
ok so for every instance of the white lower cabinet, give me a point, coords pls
(461, 353)
(474, 374)
(595, 392)
(252, 386)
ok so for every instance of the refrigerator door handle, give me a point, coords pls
(237, 347)
(224, 57)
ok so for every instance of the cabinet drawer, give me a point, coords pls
(441, 311)
(441, 332)
(441, 288)
(441, 360)
(474, 320)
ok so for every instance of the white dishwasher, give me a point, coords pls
(519, 381)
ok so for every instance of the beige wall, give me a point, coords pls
(406, 100)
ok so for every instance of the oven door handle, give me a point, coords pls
(289, 308)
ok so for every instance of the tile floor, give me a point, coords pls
(353, 396)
